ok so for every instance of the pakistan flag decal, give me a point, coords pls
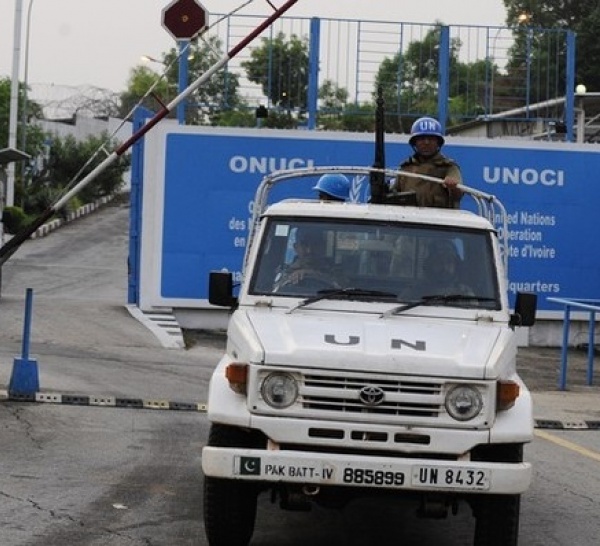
(249, 466)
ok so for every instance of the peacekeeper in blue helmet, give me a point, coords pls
(427, 140)
(333, 187)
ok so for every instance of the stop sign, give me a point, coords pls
(183, 19)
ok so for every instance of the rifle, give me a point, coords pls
(377, 179)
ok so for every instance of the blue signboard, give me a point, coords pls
(210, 177)
(551, 197)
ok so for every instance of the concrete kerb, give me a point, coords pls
(84, 210)
(56, 223)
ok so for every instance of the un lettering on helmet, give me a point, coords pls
(428, 125)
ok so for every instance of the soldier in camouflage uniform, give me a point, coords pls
(426, 140)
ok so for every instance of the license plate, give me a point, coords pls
(450, 477)
(318, 471)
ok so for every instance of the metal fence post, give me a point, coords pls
(183, 78)
(562, 383)
(570, 86)
(313, 72)
(140, 115)
(444, 76)
(590, 366)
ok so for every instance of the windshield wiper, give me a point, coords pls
(434, 299)
(346, 293)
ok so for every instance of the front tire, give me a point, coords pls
(497, 522)
(497, 516)
(229, 505)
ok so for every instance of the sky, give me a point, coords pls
(98, 42)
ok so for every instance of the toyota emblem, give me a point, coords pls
(371, 395)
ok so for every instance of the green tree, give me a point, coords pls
(332, 97)
(359, 118)
(34, 135)
(235, 118)
(280, 67)
(536, 51)
(469, 85)
(141, 79)
(68, 162)
(332, 103)
(588, 47)
(30, 133)
(207, 104)
(410, 80)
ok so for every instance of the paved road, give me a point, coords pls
(90, 476)
(83, 337)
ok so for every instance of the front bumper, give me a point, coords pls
(326, 469)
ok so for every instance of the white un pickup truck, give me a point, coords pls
(380, 361)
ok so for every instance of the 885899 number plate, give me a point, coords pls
(369, 476)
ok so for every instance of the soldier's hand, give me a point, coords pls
(451, 184)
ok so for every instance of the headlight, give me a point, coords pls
(463, 402)
(279, 390)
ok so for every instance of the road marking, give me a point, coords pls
(568, 445)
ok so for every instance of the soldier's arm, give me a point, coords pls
(452, 179)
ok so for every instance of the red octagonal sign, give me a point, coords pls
(183, 19)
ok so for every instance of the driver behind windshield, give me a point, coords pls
(442, 271)
(310, 249)
(310, 265)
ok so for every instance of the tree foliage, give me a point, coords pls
(34, 137)
(217, 95)
(280, 67)
(333, 101)
(410, 82)
(580, 16)
(141, 79)
(70, 158)
(30, 137)
(67, 162)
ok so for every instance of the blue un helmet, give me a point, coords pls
(426, 127)
(333, 187)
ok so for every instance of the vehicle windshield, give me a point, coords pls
(371, 261)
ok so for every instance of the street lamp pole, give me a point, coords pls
(14, 102)
(26, 78)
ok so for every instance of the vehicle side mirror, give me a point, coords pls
(525, 309)
(220, 289)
